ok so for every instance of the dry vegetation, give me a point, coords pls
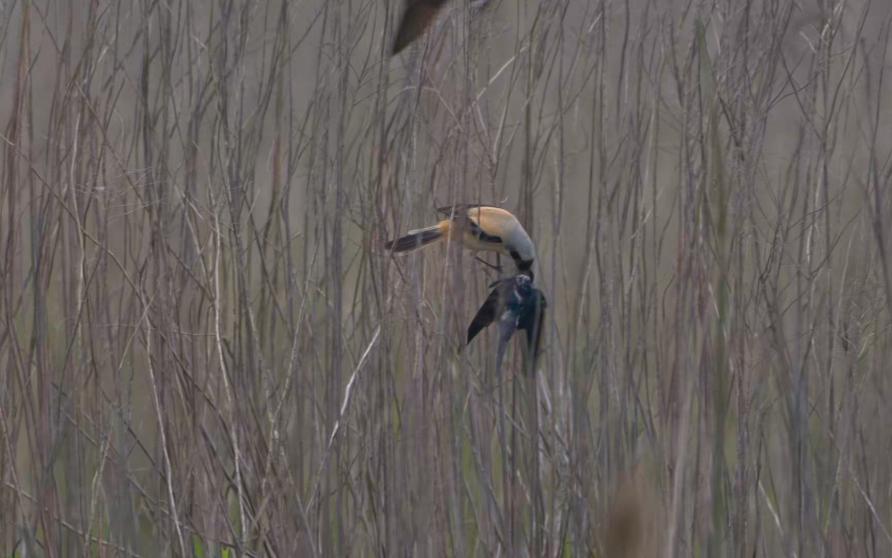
(204, 350)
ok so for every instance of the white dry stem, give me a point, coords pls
(771, 510)
(233, 433)
(167, 464)
(344, 403)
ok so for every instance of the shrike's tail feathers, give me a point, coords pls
(417, 238)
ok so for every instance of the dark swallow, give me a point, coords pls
(516, 305)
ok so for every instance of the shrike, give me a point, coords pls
(517, 305)
(477, 227)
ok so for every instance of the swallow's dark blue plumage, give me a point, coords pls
(516, 305)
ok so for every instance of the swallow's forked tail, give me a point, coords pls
(418, 238)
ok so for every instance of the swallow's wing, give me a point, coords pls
(486, 314)
(416, 18)
(507, 327)
(536, 324)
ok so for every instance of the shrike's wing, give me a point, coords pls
(459, 214)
